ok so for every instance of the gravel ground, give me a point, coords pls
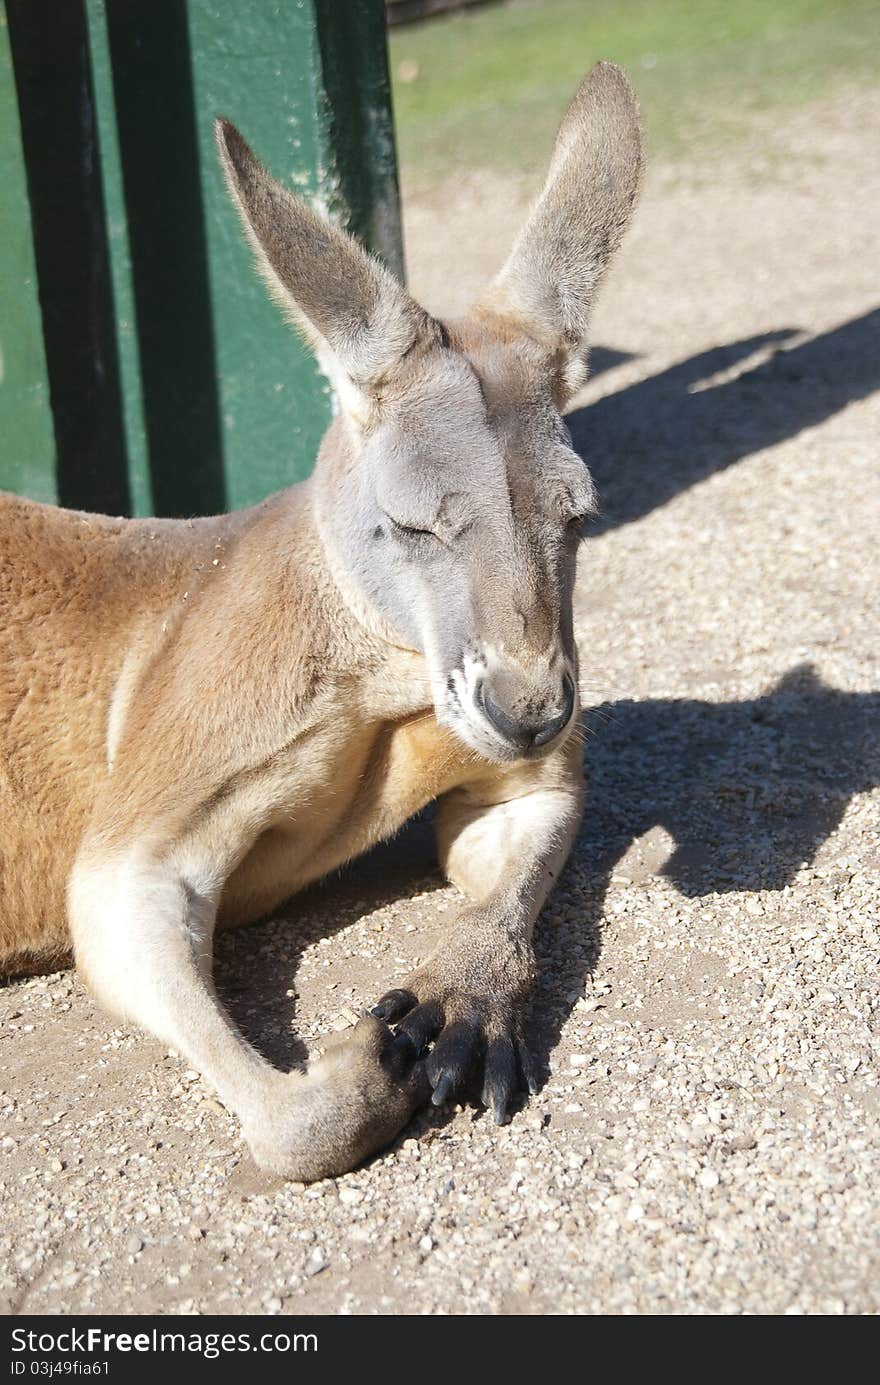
(706, 1140)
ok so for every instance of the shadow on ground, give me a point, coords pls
(748, 791)
(656, 438)
(255, 967)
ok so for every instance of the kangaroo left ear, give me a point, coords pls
(547, 287)
(357, 318)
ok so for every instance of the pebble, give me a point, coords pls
(350, 1197)
(316, 1262)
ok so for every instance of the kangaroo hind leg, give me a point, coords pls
(143, 940)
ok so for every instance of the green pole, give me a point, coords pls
(210, 401)
(27, 445)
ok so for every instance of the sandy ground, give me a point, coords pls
(706, 1140)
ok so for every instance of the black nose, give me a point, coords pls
(528, 733)
(551, 728)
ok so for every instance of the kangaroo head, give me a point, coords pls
(450, 500)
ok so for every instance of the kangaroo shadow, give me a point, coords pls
(748, 791)
(650, 441)
(255, 968)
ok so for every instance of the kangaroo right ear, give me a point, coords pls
(357, 318)
(546, 288)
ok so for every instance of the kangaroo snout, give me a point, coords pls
(525, 723)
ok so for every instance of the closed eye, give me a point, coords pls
(411, 531)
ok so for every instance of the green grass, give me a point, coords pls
(493, 82)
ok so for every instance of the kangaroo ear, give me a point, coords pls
(356, 317)
(546, 288)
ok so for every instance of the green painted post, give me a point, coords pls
(217, 402)
(53, 88)
(307, 84)
(27, 446)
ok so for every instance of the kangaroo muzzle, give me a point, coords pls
(528, 729)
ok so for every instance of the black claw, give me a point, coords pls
(501, 1081)
(531, 1079)
(422, 1025)
(399, 1055)
(403, 1044)
(443, 1089)
(455, 1054)
(460, 1052)
(393, 1005)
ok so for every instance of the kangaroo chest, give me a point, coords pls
(339, 795)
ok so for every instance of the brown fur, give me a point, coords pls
(199, 718)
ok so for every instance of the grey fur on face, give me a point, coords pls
(450, 494)
(461, 528)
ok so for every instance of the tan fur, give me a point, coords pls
(199, 718)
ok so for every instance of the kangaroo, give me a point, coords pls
(200, 717)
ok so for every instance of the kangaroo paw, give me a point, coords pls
(351, 1103)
